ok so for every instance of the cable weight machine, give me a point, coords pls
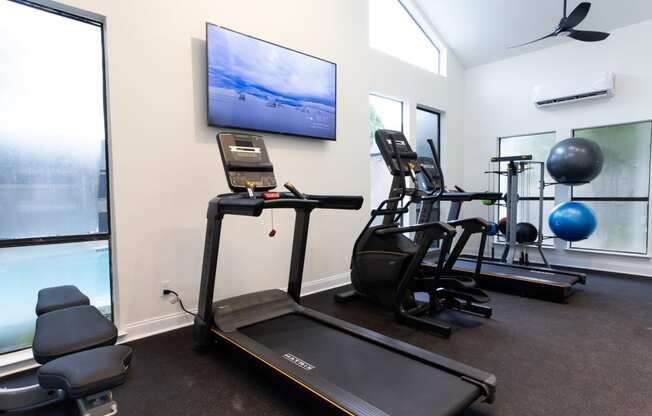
(517, 165)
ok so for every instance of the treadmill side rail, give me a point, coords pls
(337, 397)
(486, 381)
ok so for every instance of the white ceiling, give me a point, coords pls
(479, 31)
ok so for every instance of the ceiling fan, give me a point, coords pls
(566, 27)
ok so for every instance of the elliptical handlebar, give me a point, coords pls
(399, 164)
(436, 191)
(396, 212)
(443, 227)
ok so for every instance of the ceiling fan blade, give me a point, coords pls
(588, 35)
(532, 41)
(576, 16)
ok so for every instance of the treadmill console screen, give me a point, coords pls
(246, 162)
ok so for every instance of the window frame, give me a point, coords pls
(572, 197)
(100, 22)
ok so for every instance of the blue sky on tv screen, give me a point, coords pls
(258, 85)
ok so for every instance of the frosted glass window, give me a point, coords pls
(537, 145)
(622, 226)
(26, 270)
(427, 129)
(393, 31)
(626, 169)
(54, 210)
(619, 196)
(52, 163)
(384, 113)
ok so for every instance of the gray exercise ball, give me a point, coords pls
(575, 161)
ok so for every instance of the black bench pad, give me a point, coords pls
(71, 330)
(87, 372)
(59, 297)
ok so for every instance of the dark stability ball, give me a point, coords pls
(526, 232)
(502, 225)
(575, 161)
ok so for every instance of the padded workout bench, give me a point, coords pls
(75, 344)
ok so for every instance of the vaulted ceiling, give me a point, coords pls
(479, 31)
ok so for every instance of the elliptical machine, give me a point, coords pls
(386, 265)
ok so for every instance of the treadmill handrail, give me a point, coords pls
(242, 204)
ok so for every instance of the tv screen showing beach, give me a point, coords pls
(256, 85)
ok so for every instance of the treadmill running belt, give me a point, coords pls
(506, 270)
(392, 382)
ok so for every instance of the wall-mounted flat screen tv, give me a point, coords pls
(257, 85)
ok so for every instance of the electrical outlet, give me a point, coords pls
(165, 284)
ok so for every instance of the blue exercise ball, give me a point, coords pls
(575, 161)
(572, 221)
(492, 229)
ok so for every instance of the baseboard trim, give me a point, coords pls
(154, 326)
(327, 283)
(19, 361)
(602, 270)
(170, 322)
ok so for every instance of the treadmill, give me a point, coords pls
(525, 280)
(349, 368)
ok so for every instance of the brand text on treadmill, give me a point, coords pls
(298, 361)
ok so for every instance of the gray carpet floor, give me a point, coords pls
(589, 357)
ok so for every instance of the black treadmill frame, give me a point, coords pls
(533, 287)
(207, 329)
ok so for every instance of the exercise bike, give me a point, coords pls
(386, 265)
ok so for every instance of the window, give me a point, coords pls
(384, 113)
(620, 195)
(427, 128)
(54, 227)
(394, 31)
(537, 145)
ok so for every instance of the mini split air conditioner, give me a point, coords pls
(575, 88)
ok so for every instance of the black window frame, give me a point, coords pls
(69, 12)
(617, 199)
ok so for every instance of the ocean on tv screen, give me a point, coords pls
(257, 85)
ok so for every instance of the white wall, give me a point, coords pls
(414, 86)
(498, 102)
(165, 161)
